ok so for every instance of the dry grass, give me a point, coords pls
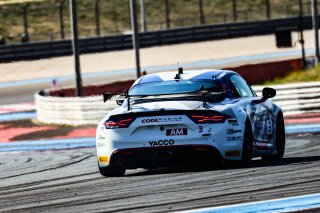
(3, 2)
(309, 75)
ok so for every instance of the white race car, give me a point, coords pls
(189, 118)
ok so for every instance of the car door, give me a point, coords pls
(261, 117)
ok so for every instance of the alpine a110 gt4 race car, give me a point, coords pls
(189, 118)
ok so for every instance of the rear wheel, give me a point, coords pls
(280, 140)
(113, 170)
(247, 143)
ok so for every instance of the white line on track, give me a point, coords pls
(289, 204)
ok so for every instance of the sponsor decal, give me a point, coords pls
(233, 122)
(234, 138)
(161, 143)
(175, 132)
(233, 131)
(269, 127)
(103, 159)
(100, 141)
(153, 120)
(99, 144)
(101, 137)
(162, 120)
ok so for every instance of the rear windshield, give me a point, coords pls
(175, 87)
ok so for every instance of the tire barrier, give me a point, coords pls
(296, 98)
(72, 110)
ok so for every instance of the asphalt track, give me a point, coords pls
(68, 181)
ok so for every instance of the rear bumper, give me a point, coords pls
(168, 156)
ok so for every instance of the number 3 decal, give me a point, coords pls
(200, 128)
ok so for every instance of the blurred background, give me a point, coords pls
(48, 159)
(47, 20)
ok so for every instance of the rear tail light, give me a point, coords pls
(124, 123)
(202, 119)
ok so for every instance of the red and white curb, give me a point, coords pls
(14, 108)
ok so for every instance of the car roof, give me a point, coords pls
(207, 74)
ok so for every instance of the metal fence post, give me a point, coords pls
(268, 13)
(315, 23)
(234, 10)
(61, 10)
(301, 39)
(135, 35)
(74, 37)
(167, 5)
(201, 12)
(97, 16)
(143, 16)
(25, 37)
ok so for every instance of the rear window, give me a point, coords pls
(175, 87)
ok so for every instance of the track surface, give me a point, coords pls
(68, 181)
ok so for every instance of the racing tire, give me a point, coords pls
(113, 170)
(247, 143)
(280, 140)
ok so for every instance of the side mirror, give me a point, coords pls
(268, 93)
(120, 99)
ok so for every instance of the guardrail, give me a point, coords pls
(154, 38)
(292, 98)
(296, 98)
